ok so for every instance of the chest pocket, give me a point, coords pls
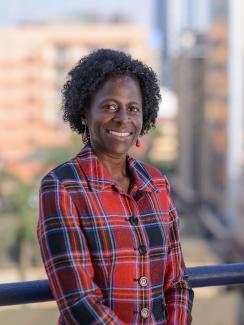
(104, 223)
(155, 219)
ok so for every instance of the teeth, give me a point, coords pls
(124, 134)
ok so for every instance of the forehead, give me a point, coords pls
(125, 84)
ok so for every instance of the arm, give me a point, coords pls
(178, 294)
(67, 260)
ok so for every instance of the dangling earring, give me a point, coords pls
(85, 135)
(138, 143)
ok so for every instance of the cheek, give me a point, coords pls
(140, 124)
(93, 123)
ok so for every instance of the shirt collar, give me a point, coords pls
(99, 178)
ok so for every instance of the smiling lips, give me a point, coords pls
(120, 134)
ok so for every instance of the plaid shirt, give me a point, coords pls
(112, 257)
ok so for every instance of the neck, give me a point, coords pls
(115, 165)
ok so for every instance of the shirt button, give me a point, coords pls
(143, 281)
(142, 250)
(133, 220)
(144, 312)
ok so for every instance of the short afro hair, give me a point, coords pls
(92, 71)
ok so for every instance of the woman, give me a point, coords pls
(108, 230)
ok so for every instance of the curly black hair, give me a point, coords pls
(92, 71)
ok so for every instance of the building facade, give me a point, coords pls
(34, 60)
(211, 125)
(190, 88)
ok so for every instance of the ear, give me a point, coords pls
(83, 116)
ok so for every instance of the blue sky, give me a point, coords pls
(13, 11)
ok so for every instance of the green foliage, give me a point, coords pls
(53, 156)
(19, 203)
(18, 209)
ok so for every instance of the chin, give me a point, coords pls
(119, 149)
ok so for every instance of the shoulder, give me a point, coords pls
(64, 173)
(154, 174)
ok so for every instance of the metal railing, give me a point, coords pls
(201, 276)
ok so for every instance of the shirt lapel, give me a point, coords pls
(96, 174)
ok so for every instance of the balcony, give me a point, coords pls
(200, 276)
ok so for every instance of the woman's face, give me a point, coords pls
(114, 119)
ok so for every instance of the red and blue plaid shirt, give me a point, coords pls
(112, 257)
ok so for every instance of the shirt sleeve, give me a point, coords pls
(67, 259)
(178, 293)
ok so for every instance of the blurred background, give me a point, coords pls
(197, 49)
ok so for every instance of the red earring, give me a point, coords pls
(138, 143)
(85, 135)
(85, 138)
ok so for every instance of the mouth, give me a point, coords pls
(120, 134)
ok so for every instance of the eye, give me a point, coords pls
(111, 107)
(134, 109)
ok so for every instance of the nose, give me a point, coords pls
(121, 116)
